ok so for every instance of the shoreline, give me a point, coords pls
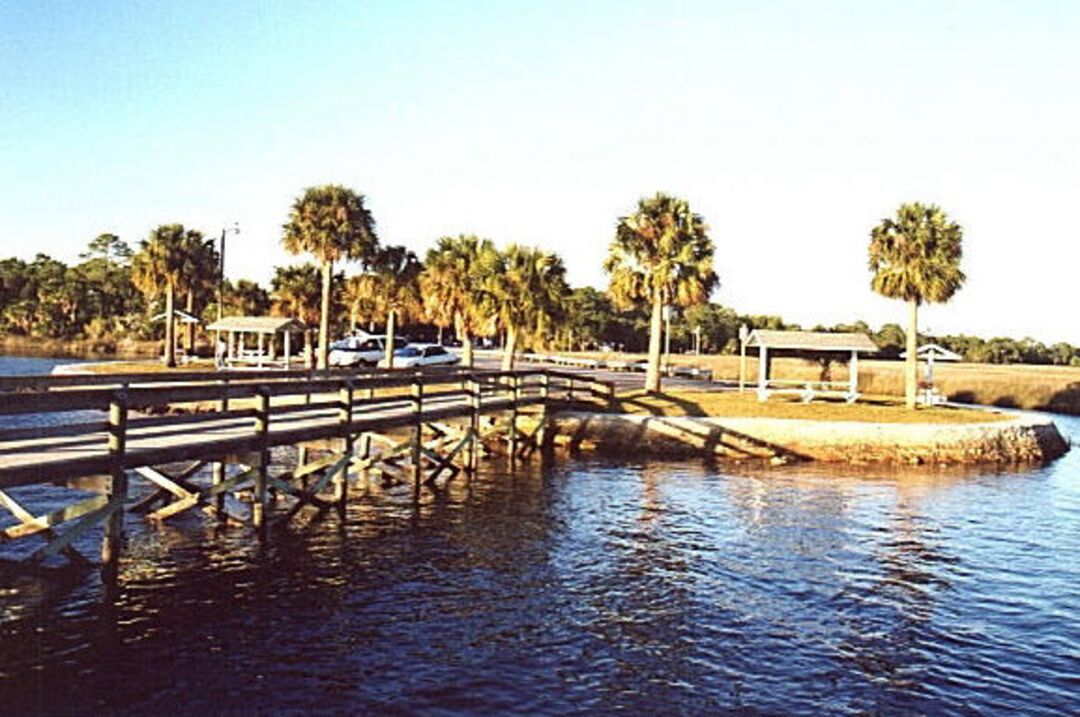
(1024, 439)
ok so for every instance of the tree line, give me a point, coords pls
(465, 286)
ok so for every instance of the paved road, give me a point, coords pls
(624, 380)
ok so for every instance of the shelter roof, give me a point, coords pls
(178, 315)
(811, 341)
(256, 324)
(940, 353)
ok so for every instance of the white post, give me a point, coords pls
(262, 348)
(744, 334)
(288, 348)
(853, 374)
(763, 373)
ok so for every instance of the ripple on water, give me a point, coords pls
(590, 586)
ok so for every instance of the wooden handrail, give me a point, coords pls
(214, 387)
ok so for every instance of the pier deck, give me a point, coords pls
(137, 424)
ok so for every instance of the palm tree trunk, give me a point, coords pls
(912, 363)
(391, 320)
(466, 350)
(191, 327)
(656, 324)
(352, 319)
(508, 350)
(170, 326)
(440, 335)
(324, 315)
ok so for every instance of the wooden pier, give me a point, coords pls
(138, 439)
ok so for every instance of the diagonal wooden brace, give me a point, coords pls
(26, 517)
(84, 523)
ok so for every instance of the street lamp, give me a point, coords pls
(234, 229)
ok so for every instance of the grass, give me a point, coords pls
(729, 404)
(117, 367)
(1053, 388)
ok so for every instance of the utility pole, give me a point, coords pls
(235, 229)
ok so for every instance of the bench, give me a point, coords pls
(807, 391)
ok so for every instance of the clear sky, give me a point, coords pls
(793, 127)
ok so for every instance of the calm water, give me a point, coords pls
(587, 587)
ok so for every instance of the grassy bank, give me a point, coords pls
(1045, 388)
(869, 409)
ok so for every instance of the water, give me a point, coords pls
(588, 586)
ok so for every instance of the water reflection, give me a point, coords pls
(586, 586)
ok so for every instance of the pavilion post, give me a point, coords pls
(763, 373)
(262, 348)
(853, 374)
(288, 348)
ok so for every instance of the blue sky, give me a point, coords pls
(792, 127)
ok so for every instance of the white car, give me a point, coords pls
(417, 355)
(361, 350)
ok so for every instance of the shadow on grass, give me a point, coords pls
(1066, 401)
(677, 435)
(656, 404)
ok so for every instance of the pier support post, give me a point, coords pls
(341, 480)
(418, 432)
(542, 431)
(217, 476)
(474, 423)
(262, 428)
(114, 524)
(513, 419)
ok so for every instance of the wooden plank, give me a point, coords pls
(49, 520)
(314, 466)
(87, 521)
(26, 516)
(164, 482)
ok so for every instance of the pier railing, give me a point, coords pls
(164, 418)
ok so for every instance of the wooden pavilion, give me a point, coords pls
(263, 333)
(770, 343)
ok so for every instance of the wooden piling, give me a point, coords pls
(418, 431)
(513, 419)
(262, 429)
(545, 391)
(474, 423)
(217, 474)
(114, 524)
(341, 480)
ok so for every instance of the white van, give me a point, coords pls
(361, 350)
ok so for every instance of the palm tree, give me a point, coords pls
(295, 293)
(332, 223)
(248, 298)
(661, 255)
(524, 290)
(453, 287)
(159, 268)
(390, 287)
(916, 257)
(199, 277)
